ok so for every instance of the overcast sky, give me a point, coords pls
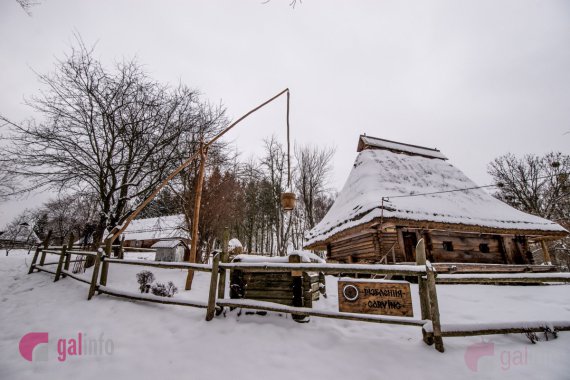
(476, 79)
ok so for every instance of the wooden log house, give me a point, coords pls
(399, 193)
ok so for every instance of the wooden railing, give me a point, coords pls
(432, 329)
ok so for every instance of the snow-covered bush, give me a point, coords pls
(145, 278)
(159, 289)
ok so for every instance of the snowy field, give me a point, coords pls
(138, 340)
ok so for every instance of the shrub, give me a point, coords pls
(145, 278)
(159, 289)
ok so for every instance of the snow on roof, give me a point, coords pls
(167, 243)
(382, 173)
(375, 142)
(234, 243)
(163, 227)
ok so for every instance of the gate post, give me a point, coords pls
(434, 306)
(213, 284)
(423, 290)
(95, 276)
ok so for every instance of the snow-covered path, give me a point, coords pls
(151, 341)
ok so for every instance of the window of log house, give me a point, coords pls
(484, 247)
(448, 246)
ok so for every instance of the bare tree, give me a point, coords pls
(27, 5)
(19, 232)
(312, 173)
(116, 133)
(539, 186)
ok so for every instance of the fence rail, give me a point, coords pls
(432, 329)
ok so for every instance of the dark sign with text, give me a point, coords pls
(375, 297)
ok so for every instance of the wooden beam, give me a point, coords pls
(196, 216)
(547, 259)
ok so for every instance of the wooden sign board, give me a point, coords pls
(375, 297)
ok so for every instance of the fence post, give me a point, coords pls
(60, 263)
(67, 254)
(105, 265)
(213, 283)
(298, 299)
(434, 306)
(93, 286)
(46, 245)
(36, 254)
(225, 257)
(122, 248)
(423, 290)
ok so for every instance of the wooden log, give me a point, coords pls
(95, 275)
(423, 290)
(45, 247)
(434, 308)
(60, 263)
(213, 288)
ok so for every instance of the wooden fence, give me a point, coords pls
(432, 329)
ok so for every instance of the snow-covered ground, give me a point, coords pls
(150, 341)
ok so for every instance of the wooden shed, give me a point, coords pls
(398, 193)
(170, 250)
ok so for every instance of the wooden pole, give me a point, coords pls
(213, 284)
(225, 259)
(423, 290)
(547, 259)
(196, 216)
(434, 308)
(95, 276)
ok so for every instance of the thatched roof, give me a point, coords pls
(388, 169)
